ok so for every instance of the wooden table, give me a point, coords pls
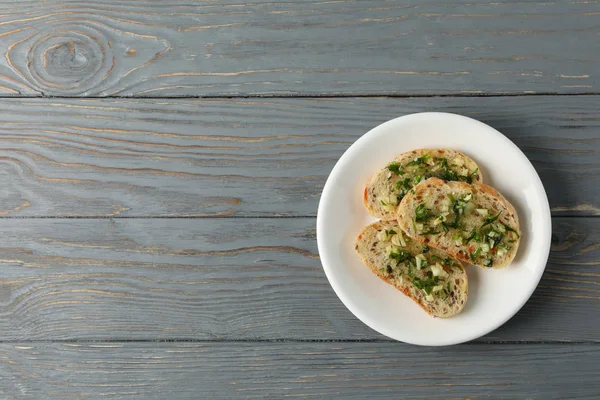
(161, 164)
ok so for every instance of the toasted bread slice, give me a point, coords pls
(473, 223)
(430, 277)
(386, 188)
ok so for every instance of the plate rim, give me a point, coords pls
(545, 212)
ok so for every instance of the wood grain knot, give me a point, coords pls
(67, 61)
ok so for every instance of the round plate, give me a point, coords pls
(495, 295)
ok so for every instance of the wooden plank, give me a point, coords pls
(232, 279)
(108, 47)
(251, 157)
(304, 370)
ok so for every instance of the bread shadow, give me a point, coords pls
(555, 180)
(524, 225)
(473, 277)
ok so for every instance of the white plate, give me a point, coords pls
(494, 295)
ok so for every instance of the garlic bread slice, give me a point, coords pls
(434, 280)
(386, 188)
(473, 223)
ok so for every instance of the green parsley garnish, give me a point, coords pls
(494, 235)
(490, 220)
(447, 173)
(458, 207)
(411, 268)
(400, 256)
(475, 254)
(508, 228)
(447, 262)
(419, 160)
(472, 175)
(504, 246)
(422, 214)
(403, 187)
(395, 168)
(473, 235)
(426, 284)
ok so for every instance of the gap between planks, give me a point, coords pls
(216, 216)
(288, 340)
(307, 96)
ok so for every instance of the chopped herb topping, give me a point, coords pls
(504, 246)
(422, 214)
(472, 175)
(403, 187)
(474, 255)
(425, 284)
(389, 269)
(447, 173)
(411, 269)
(493, 236)
(420, 261)
(458, 207)
(419, 160)
(490, 220)
(395, 168)
(448, 262)
(474, 236)
(425, 248)
(400, 256)
(488, 263)
(510, 229)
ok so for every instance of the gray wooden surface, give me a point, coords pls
(192, 48)
(251, 157)
(161, 165)
(277, 370)
(233, 279)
